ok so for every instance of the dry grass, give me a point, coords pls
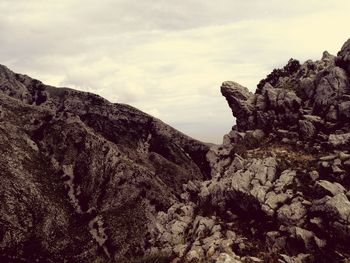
(285, 154)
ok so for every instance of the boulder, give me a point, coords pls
(307, 129)
(338, 140)
(331, 84)
(328, 188)
(336, 207)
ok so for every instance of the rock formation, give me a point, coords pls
(85, 180)
(81, 177)
(279, 187)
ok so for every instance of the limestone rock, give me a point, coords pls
(240, 100)
(337, 140)
(307, 129)
(330, 188)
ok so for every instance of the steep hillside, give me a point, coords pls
(82, 178)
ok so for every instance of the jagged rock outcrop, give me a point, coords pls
(88, 180)
(280, 185)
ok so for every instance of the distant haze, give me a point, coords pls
(167, 58)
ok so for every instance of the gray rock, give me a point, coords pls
(260, 103)
(300, 258)
(337, 140)
(307, 129)
(332, 114)
(240, 100)
(329, 188)
(344, 109)
(344, 156)
(292, 214)
(286, 179)
(308, 86)
(254, 137)
(336, 207)
(313, 119)
(314, 175)
(275, 241)
(306, 236)
(273, 200)
(330, 86)
(326, 56)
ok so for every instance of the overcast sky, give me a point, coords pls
(167, 58)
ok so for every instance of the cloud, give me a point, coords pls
(167, 58)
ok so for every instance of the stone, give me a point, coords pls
(260, 102)
(328, 157)
(314, 175)
(193, 256)
(329, 188)
(314, 119)
(240, 100)
(254, 137)
(326, 56)
(330, 86)
(226, 258)
(300, 258)
(344, 109)
(307, 129)
(336, 207)
(273, 199)
(305, 235)
(317, 221)
(332, 114)
(343, 58)
(292, 214)
(237, 163)
(321, 243)
(344, 156)
(337, 140)
(286, 179)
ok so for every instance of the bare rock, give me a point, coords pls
(329, 188)
(337, 140)
(292, 214)
(307, 129)
(336, 207)
(240, 100)
(344, 56)
(331, 85)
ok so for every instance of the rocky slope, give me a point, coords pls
(82, 178)
(85, 180)
(280, 182)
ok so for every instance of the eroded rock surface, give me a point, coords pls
(86, 180)
(83, 178)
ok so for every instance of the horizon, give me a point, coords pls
(166, 58)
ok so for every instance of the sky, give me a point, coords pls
(167, 58)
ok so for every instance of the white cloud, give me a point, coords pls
(167, 57)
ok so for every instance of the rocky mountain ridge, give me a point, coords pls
(90, 181)
(75, 166)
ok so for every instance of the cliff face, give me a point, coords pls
(86, 180)
(82, 177)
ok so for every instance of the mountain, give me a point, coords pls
(83, 177)
(85, 180)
